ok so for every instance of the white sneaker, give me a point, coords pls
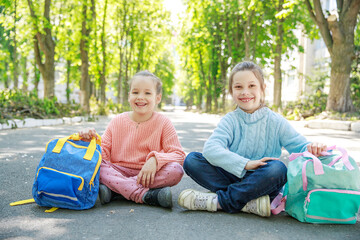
(259, 206)
(195, 200)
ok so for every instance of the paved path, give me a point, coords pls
(22, 149)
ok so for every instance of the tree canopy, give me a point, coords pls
(97, 46)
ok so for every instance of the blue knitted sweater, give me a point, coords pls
(241, 137)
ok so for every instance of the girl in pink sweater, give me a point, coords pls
(142, 156)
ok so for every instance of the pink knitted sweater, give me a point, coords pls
(130, 144)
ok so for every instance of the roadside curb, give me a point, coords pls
(32, 122)
(334, 124)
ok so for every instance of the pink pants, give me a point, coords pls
(122, 180)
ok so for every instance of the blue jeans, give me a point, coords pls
(233, 192)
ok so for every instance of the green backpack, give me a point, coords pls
(322, 190)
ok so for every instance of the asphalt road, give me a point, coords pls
(22, 149)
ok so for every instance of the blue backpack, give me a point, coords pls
(68, 174)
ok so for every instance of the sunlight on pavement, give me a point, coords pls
(44, 228)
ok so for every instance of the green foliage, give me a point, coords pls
(207, 37)
(216, 35)
(135, 35)
(355, 73)
(314, 105)
(138, 35)
(99, 108)
(19, 105)
(165, 70)
(355, 90)
(311, 103)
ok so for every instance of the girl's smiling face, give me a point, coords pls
(143, 97)
(247, 91)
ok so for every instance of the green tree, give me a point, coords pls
(43, 42)
(219, 34)
(8, 20)
(165, 70)
(287, 16)
(205, 51)
(68, 36)
(103, 52)
(81, 46)
(88, 12)
(141, 35)
(15, 50)
(5, 46)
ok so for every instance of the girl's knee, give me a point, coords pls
(277, 168)
(176, 169)
(174, 173)
(192, 161)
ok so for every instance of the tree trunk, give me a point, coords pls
(46, 44)
(223, 67)
(49, 74)
(68, 91)
(6, 77)
(216, 100)
(338, 34)
(124, 83)
(140, 58)
(277, 59)
(254, 42)
(199, 100)
(339, 99)
(203, 77)
(84, 51)
(25, 74)
(36, 78)
(209, 89)
(15, 61)
(247, 35)
(103, 88)
(342, 56)
(190, 102)
(128, 57)
(120, 97)
(103, 72)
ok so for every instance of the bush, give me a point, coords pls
(17, 104)
(99, 108)
(355, 91)
(309, 106)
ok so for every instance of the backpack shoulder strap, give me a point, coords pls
(31, 200)
(22, 202)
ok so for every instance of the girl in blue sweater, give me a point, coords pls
(239, 164)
